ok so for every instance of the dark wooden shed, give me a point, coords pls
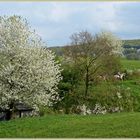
(22, 108)
(17, 110)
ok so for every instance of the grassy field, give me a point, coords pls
(130, 64)
(133, 42)
(74, 126)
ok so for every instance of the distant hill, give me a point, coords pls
(127, 44)
(57, 49)
(135, 43)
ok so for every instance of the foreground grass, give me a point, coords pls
(74, 126)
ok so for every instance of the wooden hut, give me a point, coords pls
(17, 110)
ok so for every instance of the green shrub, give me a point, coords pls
(132, 74)
(115, 98)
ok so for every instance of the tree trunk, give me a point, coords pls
(8, 115)
(19, 114)
(9, 111)
(86, 82)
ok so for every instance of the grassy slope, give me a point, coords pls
(130, 64)
(134, 84)
(134, 42)
(68, 126)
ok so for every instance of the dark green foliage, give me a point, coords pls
(135, 74)
(67, 86)
(111, 96)
(111, 64)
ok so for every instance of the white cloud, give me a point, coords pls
(59, 12)
(57, 20)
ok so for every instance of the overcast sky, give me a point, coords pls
(56, 21)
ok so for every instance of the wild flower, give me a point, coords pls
(119, 95)
(98, 109)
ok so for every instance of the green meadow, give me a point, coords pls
(130, 64)
(119, 125)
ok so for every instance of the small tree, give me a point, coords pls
(67, 86)
(28, 71)
(87, 50)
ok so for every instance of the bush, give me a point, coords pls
(108, 98)
(133, 74)
(46, 110)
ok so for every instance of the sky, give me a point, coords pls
(55, 22)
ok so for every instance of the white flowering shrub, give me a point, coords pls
(98, 109)
(113, 100)
(113, 43)
(28, 71)
(115, 109)
(84, 110)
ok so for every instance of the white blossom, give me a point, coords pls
(113, 42)
(28, 71)
(119, 95)
(98, 109)
(84, 110)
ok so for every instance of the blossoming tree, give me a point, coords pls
(28, 71)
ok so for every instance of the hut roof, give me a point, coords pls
(22, 107)
(18, 107)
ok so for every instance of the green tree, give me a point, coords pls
(86, 51)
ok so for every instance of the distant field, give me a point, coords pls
(134, 42)
(130, 64)
(74, 126)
